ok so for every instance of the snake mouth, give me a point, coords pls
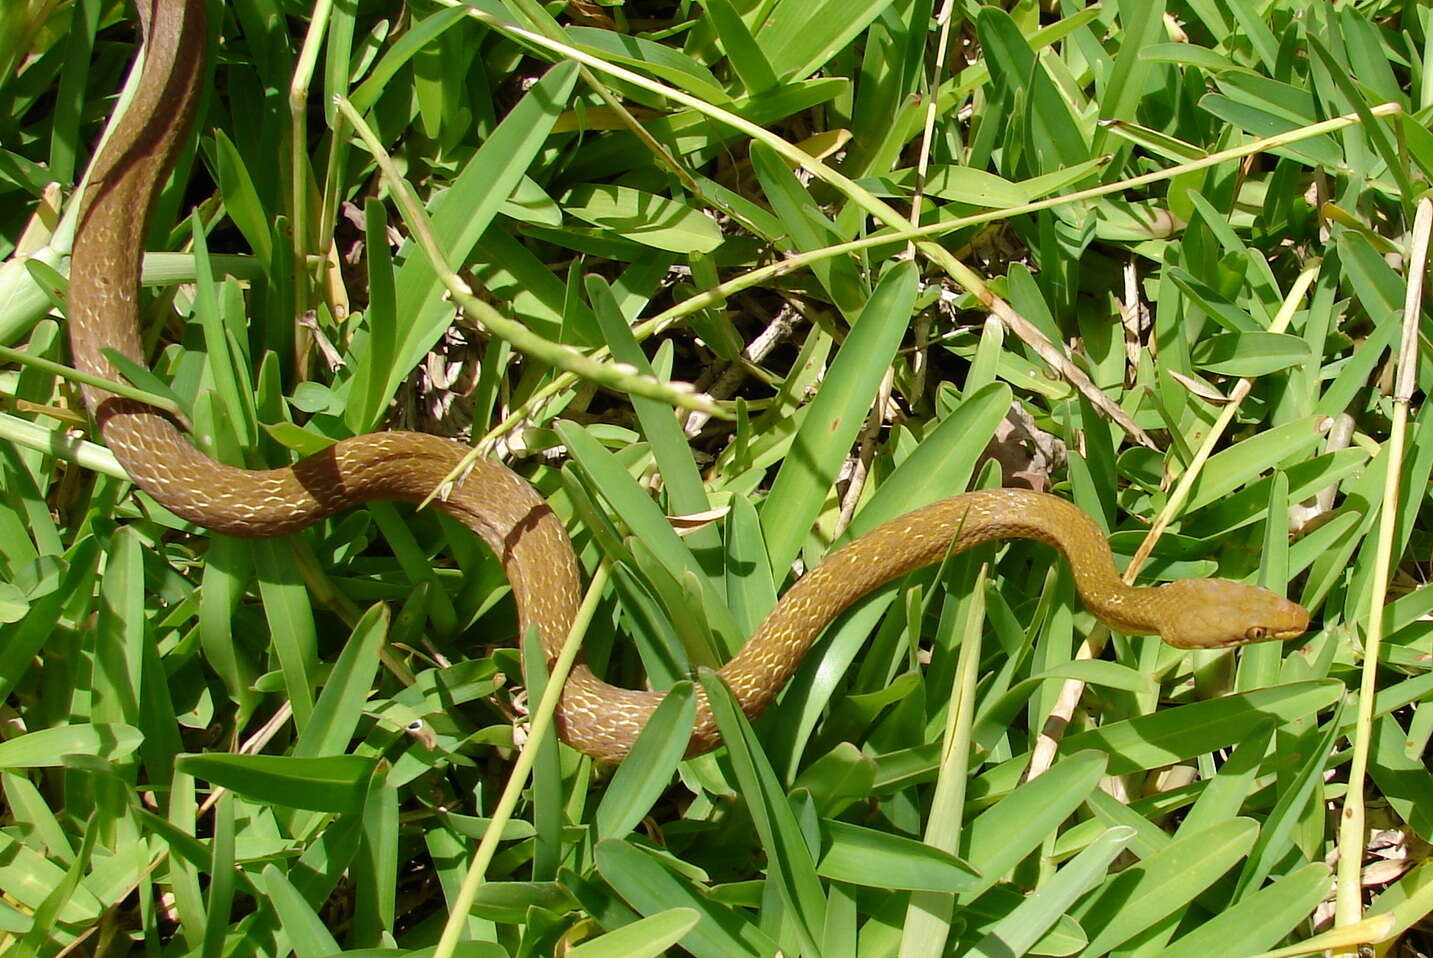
(1282, 635)
(1309, 628)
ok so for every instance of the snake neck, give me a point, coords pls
(920, 538)
(1016, 513)
(963, 522)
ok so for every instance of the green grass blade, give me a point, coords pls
(836, 416)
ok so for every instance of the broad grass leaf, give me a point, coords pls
(1005, 833)
(750, 589)
(836, 415)
(335, 783)
(1138, 897)
(960, 184)
(645, 218)
(650, 888)
(1250, 354)
(1027, 923)
(307, 933)
(290, 614)
(47, 748)
(341, 703)
(512, 902)
(742, 51)
(646, 772)
(681, 479)
(1246, 460)
(840, 777)
(866, 856)
(800, 36)
(644, 938)
(241, 199)
(659, 60)
(809, 227)
(790, 859)
(460, 216)
(1260, 919)
(1173, 735)
(1263, 118)
(1402, 778)
(220, 897)
(30, 877)
(46, 916)
(941, 465)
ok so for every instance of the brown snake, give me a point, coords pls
(599, 719)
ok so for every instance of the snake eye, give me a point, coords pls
(1256, 633)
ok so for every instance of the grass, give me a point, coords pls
(1160, 263)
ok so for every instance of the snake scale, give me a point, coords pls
(500, 507)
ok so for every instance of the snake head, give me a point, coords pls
(1219, 614)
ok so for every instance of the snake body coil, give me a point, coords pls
(503, 509)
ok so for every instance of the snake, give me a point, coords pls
(517, 524)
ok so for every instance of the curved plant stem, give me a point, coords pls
(541, 719)
(1352, 829)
